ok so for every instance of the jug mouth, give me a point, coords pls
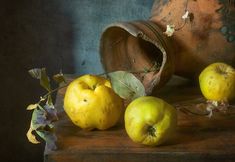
(137, 47)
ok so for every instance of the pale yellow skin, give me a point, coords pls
(90, 103)
(217, 82)
(146, 112)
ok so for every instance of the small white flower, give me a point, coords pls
(186, 15)
(215, 103)
(170, 29)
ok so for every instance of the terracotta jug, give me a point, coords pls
(208, 35)
(136, 46)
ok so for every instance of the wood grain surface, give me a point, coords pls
(198, 138)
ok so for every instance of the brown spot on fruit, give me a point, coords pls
(209, 82)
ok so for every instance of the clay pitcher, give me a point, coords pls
(206, 36)
(137, 46)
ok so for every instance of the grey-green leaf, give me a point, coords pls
(42, 76)
(35, 73)
(50, 138)
(126, 85)
(42, 123)
(43, 117)
(44, 80)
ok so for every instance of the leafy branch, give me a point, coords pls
(44, 112)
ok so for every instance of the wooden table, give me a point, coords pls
(198, 138)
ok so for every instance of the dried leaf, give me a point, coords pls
(170, 29)
(32, 106)
(35, 73)
(126, 85)
(31, 137)
(42, 76)
(59, 78)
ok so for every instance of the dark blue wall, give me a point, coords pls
(88, 20)
(56, 34)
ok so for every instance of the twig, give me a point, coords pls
(54, 90)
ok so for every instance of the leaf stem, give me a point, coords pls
(54, 90)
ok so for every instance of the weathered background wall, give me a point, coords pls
(56, 34)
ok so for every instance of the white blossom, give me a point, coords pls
(170, 29)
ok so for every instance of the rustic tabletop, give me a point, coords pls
(198, 137)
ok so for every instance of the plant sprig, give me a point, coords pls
(44, 112)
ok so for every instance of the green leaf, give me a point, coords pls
(32, 106)
(42, 76)
(44, 80)
(126, 85)
(59, 78)
(35, 73)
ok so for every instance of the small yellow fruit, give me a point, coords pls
(217, 82)
(90, 103)
(150, 120)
